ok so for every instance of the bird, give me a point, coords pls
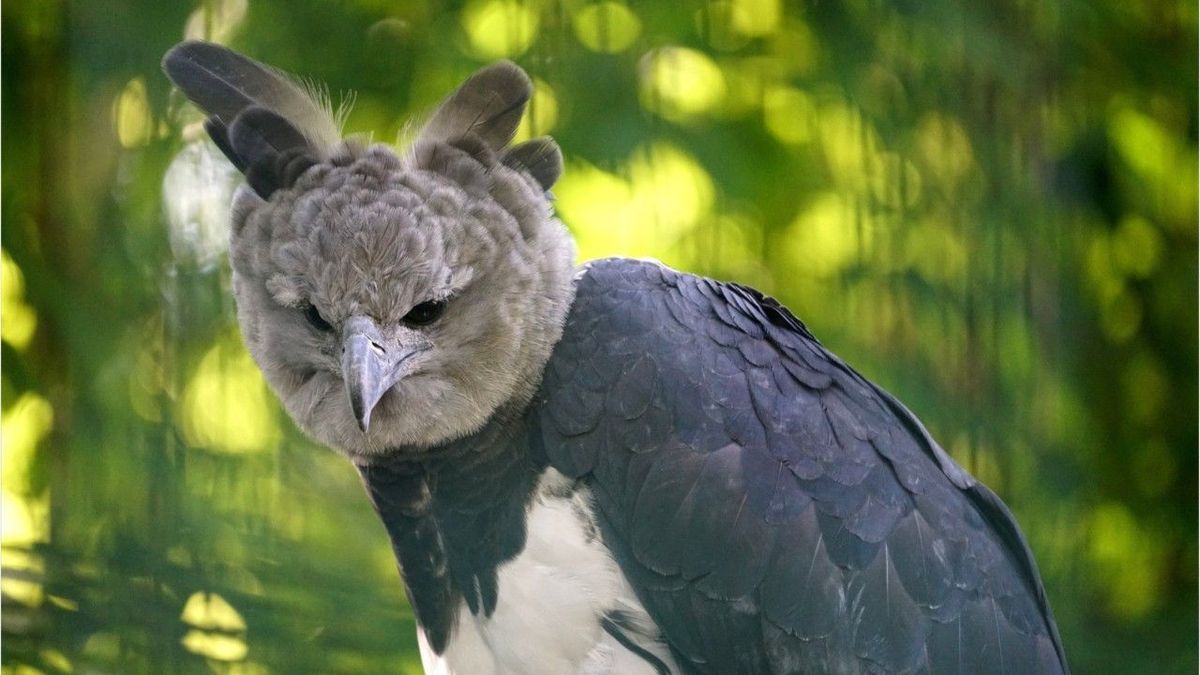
(615, 467)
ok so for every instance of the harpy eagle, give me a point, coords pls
(616, 468)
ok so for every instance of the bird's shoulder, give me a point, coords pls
(776, 510)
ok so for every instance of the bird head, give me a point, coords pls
(393, 300)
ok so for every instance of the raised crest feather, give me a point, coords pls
(224, 83)
(488, 105)
(277, 151)
(540, 157)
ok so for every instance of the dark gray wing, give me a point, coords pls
(775, 511)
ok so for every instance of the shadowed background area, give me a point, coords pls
(990, 210)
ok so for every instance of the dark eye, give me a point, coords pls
(425, 313)
(315, 319)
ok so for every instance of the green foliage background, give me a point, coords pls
(989, 208)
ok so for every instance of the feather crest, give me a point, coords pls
(224, 83)
(488, 105)
(540, 157)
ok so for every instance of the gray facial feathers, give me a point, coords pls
(332, 235)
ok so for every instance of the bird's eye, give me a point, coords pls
(425, 313)
(316, 320)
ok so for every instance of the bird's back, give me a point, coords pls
(773, 510)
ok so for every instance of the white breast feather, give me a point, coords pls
(552, 597)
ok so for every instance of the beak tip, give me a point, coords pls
(369, 370)
(362, 413)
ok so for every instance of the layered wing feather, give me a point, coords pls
(776, 512)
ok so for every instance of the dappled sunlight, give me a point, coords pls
(936, 250)
(895, 182)
(215, 20)
(131, 115)
(18, 320)
(822, 241)
(23, 571)
(542, 114)
(945, 152)
(680, 84)
(607, 27)
(25, 513)
(1136, 247)
(652, 200)
(211, 611)
(789, 114)
(1127, 559)
(500, 28)
(226, 405)
(216, 646)
(849, 144)
(1158, 159)
(794, 48)
(755, 18)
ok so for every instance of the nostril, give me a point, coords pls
(378, 347)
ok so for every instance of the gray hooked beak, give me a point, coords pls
(372, 364)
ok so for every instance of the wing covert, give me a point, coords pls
(775, 511)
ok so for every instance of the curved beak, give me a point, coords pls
(372, 364)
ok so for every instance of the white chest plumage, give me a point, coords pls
(552, 600)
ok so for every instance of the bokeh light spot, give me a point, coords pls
(22, 571)
(680, 84)
(1137, 246)
(1128, 560)
(24, 511)
(18, 320)
(789, 114)
(936, 251)
(215, 20)
(216, 646)
(607, 27)
(500, 28)
(849, 145)
(822, 238)
(226, 405)
(945, 150)
(211, 611)
(755, 18)
(541, 115)
(25, 424)
(131, 115)
(653, 200)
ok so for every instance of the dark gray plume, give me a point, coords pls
(540, 157)
(223, 83)
(488, 105)
(274, 151)
(220, 134)
(267, 124)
